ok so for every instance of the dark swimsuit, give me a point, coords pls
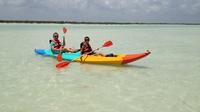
(86, 48)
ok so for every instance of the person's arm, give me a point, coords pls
(82, 48)
(81, 45)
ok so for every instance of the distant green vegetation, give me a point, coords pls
(75, 22)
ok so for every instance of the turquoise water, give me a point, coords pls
(168, 80)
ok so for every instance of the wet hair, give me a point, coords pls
(55, 34)
(86, 38)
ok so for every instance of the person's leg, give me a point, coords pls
(72, 50)
(66, 50)
(76, 50)
(101, 54)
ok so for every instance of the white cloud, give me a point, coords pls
(14, 2)
(102, 10)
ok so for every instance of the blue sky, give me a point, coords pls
(102, 10)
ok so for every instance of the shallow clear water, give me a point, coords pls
(168, 80)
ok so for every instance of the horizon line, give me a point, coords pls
(86, 22)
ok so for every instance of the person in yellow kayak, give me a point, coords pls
(87, 49)
(56, 45)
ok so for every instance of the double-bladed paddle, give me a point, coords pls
(65, 63)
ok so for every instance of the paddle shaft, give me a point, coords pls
(66, 63)
(59, 57)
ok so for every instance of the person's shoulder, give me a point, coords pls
(82, 43)
(52, 43)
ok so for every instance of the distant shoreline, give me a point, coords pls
(76, 22)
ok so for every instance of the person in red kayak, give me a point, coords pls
(87, 49)
(56, 45)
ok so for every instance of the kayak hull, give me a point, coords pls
(118, 60)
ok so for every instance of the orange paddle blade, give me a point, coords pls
(62, 64)
(59, 57)
(107, 44)
(64, 29)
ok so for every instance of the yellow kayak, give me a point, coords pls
(119, 59)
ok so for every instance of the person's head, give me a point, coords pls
(86, 39)
(55, 35)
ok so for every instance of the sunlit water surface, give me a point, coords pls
(168, 80)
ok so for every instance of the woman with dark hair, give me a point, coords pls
(85, 46)
(56, 45)
(87, 49)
